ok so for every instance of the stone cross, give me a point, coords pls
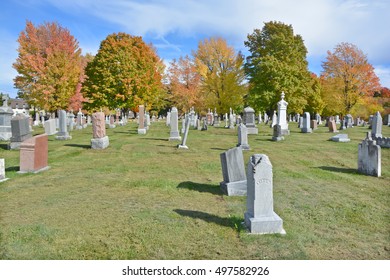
(260, 217)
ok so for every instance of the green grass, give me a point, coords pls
(142, 198)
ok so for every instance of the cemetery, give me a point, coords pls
(139, 196)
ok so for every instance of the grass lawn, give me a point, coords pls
(142, 198)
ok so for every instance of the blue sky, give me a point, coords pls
(175, 27)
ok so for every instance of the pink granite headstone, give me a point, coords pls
(34, 154)
(98, 125)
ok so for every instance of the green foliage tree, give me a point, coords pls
(277, 62)
(48, 65)
(222, 75)
(125, 73)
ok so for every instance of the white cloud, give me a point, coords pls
(383, 73)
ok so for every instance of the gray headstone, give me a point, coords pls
(260, 217)
(6, 113)
(174, 123)
(233, 171)
(340, 138)
(50, 127)
(20, 130)
(243, 137)
(249, 120)
(306, 123)
(63, 129)
(277, 135)
(183, 144)
(376, 126)
(369, 157)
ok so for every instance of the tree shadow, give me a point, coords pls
(202, 188)
(338, 169)
(231, 222)
(78, 146)
(12, 168)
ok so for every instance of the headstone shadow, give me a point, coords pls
(213, 189)
(12, 168)
(78, 146)
(232, 222)
(339, 169)
(4, 146)
(156, 139)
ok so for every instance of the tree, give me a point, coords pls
(48, 66)
(277, 63)
(349, 78)
(222, 75)
(125, 73)
(184, 85)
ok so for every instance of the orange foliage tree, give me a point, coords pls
(184, 85)
(348, 79)
(48, 66)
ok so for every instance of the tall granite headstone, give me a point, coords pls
(260, 217)
(6, 113)
(376, 126)
(282, 115)
(63, 133)
(306, 123)
(249, 120)
(174, 123)
(20, 131)
(100, 140)
(141, 120)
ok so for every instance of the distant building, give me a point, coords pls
(19, 106)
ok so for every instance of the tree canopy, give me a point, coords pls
(277, 62)
(349, 80)
(222, 75)
(48, 65)
(124, 73)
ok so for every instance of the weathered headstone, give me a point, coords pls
(306, 123)
(340, 138)
(249, 120)
(369, 157)
(313, 124)
(112, 122)
(376, 126)
(2, 170)
(79, 124)
(233, 171)
(348, 121)
(63, 133)
(6, 113)
(71, 120)
(260, 217)
(141, 120)
(20, 131)
(209, 117)
(332, 125)
(243, 137)
(34, 154)
(50, 127)
(282, 115)
(216, 118)
(174, 123)
(183, 144)
(168, 120)
(277, 135)
(231, 119)
(274, 120)
(100, 140)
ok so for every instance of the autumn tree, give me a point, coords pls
(222, 75)
(48, 66)
(277, 62)
(184, 84)
(125, 73)
(348, 78)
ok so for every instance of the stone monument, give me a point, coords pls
(34, 154)
(369, 157)
(306, 123)
(282, 115)
(249, 120)
(5, 119)
(243, 137)
(260, 217)
(20, 131)
(233, 171)
(141, 120)
(100, 140)
(63, 133)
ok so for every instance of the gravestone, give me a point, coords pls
(141, 120)
(2, 171)
(298, 117)
(300, 122)
(265, 118)
(259, 119)
(370, 119)
(34, 154)
(332, 125)
(313, 124)
(216, 118)
(337, 119)
(183, 144)
(343, 126)
(348, 121)
(277, 135)
(174, 123)
(249, 120)
(231, 119)
(282, 115)
(376, 126)
(50, 127)
(306, 123)
(100, 140)
(63, 129)
(340, 138)
(6, 113)
(71, 120)
(233, 172)
(79, 124)
(274, 120)
(111, 121)
(260, 217)
(210, 117)
(226, 121)
(20, 131)
(204, 126)
(243, 137)
(183, 124)
(168, 120)
(36, 121)
(369, 157)
(199, 124)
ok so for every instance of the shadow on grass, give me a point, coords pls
(213, 189)
(220, 149)
(232, 222)
(156, 139)
(78, 146)
(338, 169)
(12, 168)
(4, 146)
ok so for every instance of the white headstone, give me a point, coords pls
(306, 123)
(282, 115)
(243, 137)
(174, 123)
